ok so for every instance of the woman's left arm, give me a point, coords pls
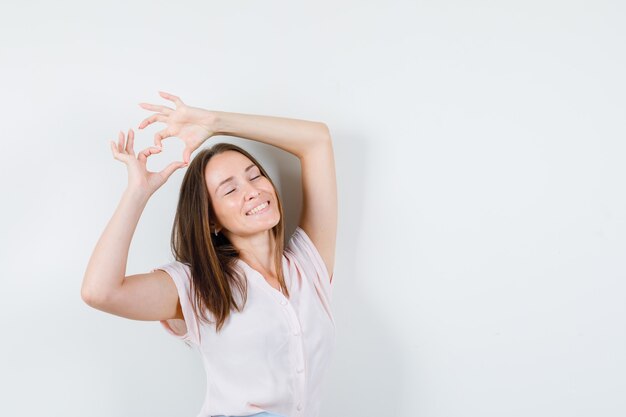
(311, 143)
(292, 135)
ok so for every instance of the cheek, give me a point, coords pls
(268, 186)
(221, 207)
(228, 205)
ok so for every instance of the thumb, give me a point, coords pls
(169, 170)
(187, 154)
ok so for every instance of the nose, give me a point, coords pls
(252, 192)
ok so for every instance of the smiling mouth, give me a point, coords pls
(261, 211)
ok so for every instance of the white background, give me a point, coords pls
(480, 160)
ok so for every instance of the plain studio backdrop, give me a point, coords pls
(481, 175)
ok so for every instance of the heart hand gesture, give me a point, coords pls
(192, 125)
(139, 178)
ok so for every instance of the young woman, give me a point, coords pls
(258, 311)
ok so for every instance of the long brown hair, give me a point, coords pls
(213, 259)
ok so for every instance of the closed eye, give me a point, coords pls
(258, 176)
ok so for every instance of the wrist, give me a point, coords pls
(217, 122)
(137, 195)
(206, 119)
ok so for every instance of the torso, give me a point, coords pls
(269, 278)
(274, 283)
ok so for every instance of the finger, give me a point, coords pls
(116, 152)
(113, 148)
(171, 97)
(169, 170)
(143, 155)
(187, 154)
(157, 108)
(120, 142)
(159, 136)
(130, 143)
(159, 117)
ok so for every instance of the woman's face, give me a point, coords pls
(237, 186)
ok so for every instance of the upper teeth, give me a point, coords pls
(257, 208)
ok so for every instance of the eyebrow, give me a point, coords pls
(231, 177)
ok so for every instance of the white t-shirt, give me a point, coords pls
(271, 356)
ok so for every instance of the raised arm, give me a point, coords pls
(150, 296)
(312, 144)
(310, 141)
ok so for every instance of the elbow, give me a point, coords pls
(317, 138)
(325, 132)
(89, 297)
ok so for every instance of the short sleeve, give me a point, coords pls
(301, 245)
(187, 329)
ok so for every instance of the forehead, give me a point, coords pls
(224, 165)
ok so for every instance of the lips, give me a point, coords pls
(260, 204)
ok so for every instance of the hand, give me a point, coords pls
(138, 176)
(190, 124)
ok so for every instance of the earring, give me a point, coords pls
(215, 232)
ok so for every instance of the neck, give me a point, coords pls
(257, 250)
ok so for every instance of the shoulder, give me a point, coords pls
(180, 272)
(304, 250)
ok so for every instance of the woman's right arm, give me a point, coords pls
(151, 296)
